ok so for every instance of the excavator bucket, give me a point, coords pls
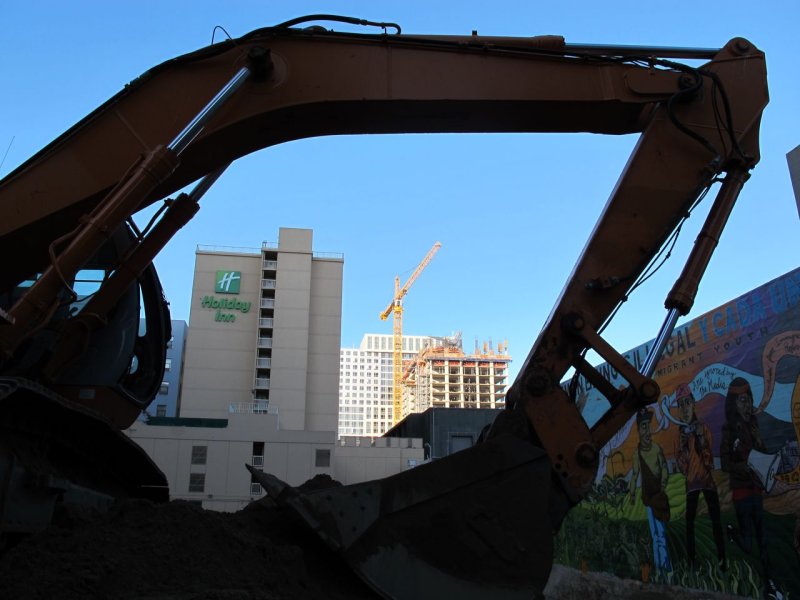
(477, 524)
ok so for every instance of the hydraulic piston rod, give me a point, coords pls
(681, 298)
(36, 306)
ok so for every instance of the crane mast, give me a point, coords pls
(396, 308)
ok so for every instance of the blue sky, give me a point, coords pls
(512, 211)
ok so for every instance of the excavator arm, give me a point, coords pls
(195, 114)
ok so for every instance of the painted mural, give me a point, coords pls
(702, 488)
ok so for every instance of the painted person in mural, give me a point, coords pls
(695, 459)
(650, 462)
(740, 436)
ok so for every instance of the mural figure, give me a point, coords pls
(710, 416)
(740, 435)
(650, 462)
(695, 459)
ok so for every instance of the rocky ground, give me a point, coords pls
(178, 551)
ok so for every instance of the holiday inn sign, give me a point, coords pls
(226, 282)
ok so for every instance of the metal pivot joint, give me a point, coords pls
(261, 64)
(641, 391)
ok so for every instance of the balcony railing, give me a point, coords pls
(265, 323)
(255, 489)
(263, 363)
(329, 255)
(268, 303)
(262, 383)
(251, 408)
(270, 265)
(227, 249)
(258, 461)
(265, 342)
(267, 284)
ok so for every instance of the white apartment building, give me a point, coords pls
(365, 383)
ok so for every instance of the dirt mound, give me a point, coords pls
(179, 551)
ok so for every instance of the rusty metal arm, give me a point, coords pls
(326, 84)
(321, 84)
(659, 185)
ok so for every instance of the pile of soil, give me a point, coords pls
(179, 551)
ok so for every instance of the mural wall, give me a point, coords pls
(702, 489)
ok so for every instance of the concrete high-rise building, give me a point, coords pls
(260, 375)
(442, 376)
(265, 333)
(365, 383)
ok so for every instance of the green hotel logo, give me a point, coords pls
(228, 282)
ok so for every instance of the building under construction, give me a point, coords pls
(443, 376)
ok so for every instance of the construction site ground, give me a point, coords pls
(179, 551)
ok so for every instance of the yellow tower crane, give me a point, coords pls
(396, 307)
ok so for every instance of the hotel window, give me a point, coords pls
(322, 458)
(258, 454)
(197, 482)
(199, 455)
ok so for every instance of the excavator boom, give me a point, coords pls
(195, 114)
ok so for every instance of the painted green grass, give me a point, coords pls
(607, 533)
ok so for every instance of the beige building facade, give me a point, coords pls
(264, 334)
(358, 459)
(204, 459)
(261, 379)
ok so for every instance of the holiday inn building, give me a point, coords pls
(261, 378)
(264, 334)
